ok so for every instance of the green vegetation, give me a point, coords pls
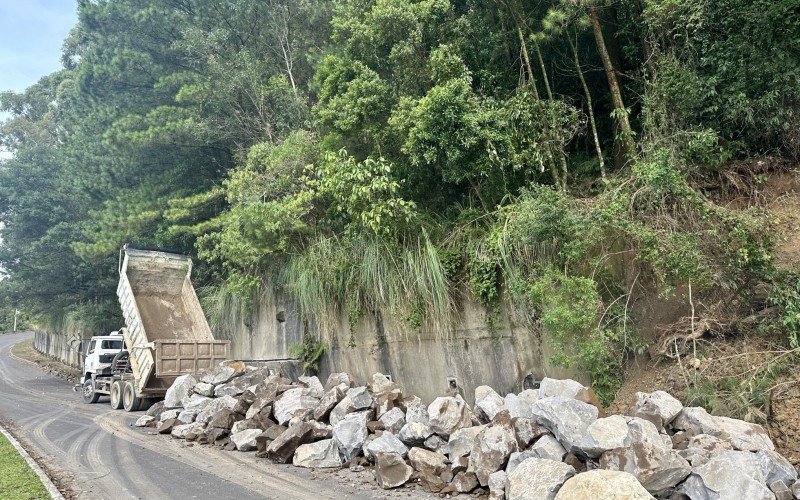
(390, 156)
(17, 481)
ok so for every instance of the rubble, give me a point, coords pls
(551, 442)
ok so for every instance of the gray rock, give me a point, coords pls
(603, 485)
(144, 420)
(436, 443)
(169, 414)
(335, 379)
(462, 441)
(181, 388)
(224, 419)
(776, 468)
(520, 406)
(393, 420)
(497, 485)
(196, 402)
(658, 407)
(780, 490)
(742, 435)
(487, 403)
(464, 482)
(548, 447)
(527, 431)
(300, 398)
(243, 425)
(314, 384)
(385, 443)
(605, 434)
(537, 478)
(730, 475)
(318, 455)
(342, 408)
(518, 457)
(245, 440)
(414, 433)
(360, 399)
(188, 416)
(566, 388)
(699, 449)
(180, 431)
(204, 389)
(282, 448)
(214, 406)
(568, 419)
(796, 490)
(219, 375)
(448, 414)
(381, 384)
(391, 470)
(329, 400)
(427, 462)
(416, 411)
(350, 434)
(491, 450)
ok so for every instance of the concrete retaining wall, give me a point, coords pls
(57, 346)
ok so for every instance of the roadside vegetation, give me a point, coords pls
(559, 159)
(18, 481)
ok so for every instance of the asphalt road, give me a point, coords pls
(97, 450)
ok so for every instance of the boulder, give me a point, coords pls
(487, 403)
(414, 433)
(196, 402)
(263, 399)
(169, 414)
(144, 420)
(156, 409)
(492, 448)
(243, 425)
(796, 490)
(698, 449)
(435, 443)
(329, 400)
(603, 484)
(416, 411)
(497, 485)
(519, 406)
(387, 401)
(335, 379)
(359, 398)
(214, 435)
(187, 416)
(780, 490)
(381, 384)
(224, 419)
(518, 457)
(385, 443)
(313, 384)
(742, 435)
(537, 478)
(463, 482)
(605, 434)
(220, 375)
(776, 468)
(299, 398)
(245, 440)
(181, 388)
(350, 434)
(320, 430)
(204, 389)
(180, 431)
(319, 455)
(730, 475)
(527, 431)
(393, 420)
(462, 441)
(448, 414)
(391, 470)
(566, 388)
(282, 448)
(214, 406)
(548, 447)
(659, 407)
(568, 419)
(427, 462)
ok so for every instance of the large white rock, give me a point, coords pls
(776, 468)
(548, 447)
(300, 398)
(246, 440)
(220, 375)
(491, 450)
(487, 403)
(416, 411)
(386, 443)
(742, 435)
(659, 407)
(566, 388)
(180, 431)
(699, 449)
(350, 434)
(188, 416)
(181, 388)
(426, 461)
(204, 389)
(196, 402)
(603, 485)
(144, 420)
(214, 406)
(314, 384)
(448, 414)
(537, 478)
(414, 433)
(391, 470)
(520, 405)
(730, 475)
(568, 419)
(322, 454)
(168, 414)
(462, 441)
(605, 434)
(360, 399)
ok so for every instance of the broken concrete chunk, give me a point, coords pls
(321, 454)
(391, 470)
(245, 440)
(603, 484)
(180, 389)
(568, 419)
(537, 478)
(350, 434)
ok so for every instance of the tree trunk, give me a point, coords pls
(625, 137)
(588, 95)
(527, 60)
(561, 154)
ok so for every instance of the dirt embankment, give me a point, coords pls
(25, 351)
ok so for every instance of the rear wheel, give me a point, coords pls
(90, 396)
(130, 401)
(116, 395)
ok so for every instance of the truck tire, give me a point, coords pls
(130, 401)
(90, 396)
(116, 395)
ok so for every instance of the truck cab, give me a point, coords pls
(100, 352)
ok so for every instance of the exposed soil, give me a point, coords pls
(25, 351)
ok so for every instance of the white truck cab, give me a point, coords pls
(100, 352)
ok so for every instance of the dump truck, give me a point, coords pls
(166, 333)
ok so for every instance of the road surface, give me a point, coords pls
(97, 450)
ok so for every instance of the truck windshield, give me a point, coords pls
(111, 344)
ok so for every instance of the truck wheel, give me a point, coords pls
(116, 395)
(90, 396)
(130, 401)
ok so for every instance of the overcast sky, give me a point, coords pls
(31, 34)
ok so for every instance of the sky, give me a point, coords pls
(31, 34)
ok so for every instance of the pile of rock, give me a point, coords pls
(551, 442)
